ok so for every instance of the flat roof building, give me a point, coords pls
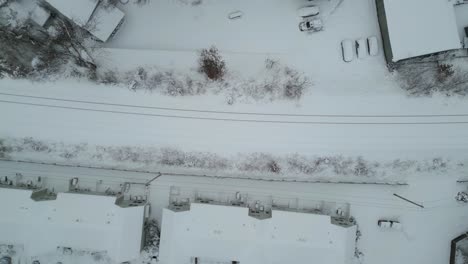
(40, 222)
(412, 28)
(217, 233)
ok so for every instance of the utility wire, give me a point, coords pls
(240, 120)
(228, 112)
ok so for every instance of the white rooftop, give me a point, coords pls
(420, 27)
(40, 15)
(104, 22)
(79, 11)
(222, 234)
(79, 221)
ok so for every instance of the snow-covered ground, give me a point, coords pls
(267, 29)
(362, 87)
(426, 233)
(352, 109)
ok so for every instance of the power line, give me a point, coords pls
(230, 112)
(239, 120)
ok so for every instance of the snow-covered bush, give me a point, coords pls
(260, 162)
(4, 150)
(256, 165)
(295, 84)
(212, 64)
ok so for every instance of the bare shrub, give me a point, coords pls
(126, 153)
(4, 149)
(212, 64)
(427, 78)
(203, 160)
(142, 2)
(444, 71)
(172, 157)
(363, 168)
(295, 85)
(36, 145)
(273, 166)
(152, 234)
(109, 77)
(301, 164)
(270, 63)
(260, 162)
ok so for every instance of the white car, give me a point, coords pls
(390, 224)
(347, 49)
(307, 11)
(373, 46)
(361, 48)
(311, 24)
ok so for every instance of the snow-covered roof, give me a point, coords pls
(104, 21)
(79, 11)
(222, 234)
(80, 221)
(420, 27)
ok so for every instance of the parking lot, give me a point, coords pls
(266, 29)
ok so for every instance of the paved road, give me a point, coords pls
(76, 122)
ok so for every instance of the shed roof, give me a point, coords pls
(104, 21)
(78, 11)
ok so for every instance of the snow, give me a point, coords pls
(104, 21)
(227, 233)
(267, 30)
(78, 11)
(420, 27)
(79, 221)
(40, 15)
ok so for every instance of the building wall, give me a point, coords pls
(382, 17)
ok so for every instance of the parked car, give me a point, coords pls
(361, 48)
(307, 11)
(373, 46)
(311, 24)
(389, 224)
(347, 50)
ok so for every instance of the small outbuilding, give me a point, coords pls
(98, 18)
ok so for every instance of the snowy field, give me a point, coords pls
(428, 229)
(352, 109)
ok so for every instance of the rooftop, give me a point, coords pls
(420, 27)
(230, 233)
(78, 11)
